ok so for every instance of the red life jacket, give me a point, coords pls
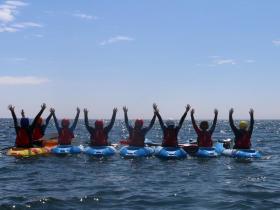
(244, 141)
(37, 133)
(22, 139)
(204, 139)
(137, 139)
(99, 138)
(65, 136)
(170, 138)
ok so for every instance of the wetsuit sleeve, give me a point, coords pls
(151, 124)
(87, 123)
(212, 129)
(231, 123)
(110, 126)
(47, 122)
(36, 118)
(196, 128)
(252, 121)
(126, 122)
(75, 121)
(160, 121)
(56, 123)
(182, 120)
(15, 121)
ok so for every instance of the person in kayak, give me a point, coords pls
(204, 134)
(170, 131)
(39, 129)
(138, 132)
(99, 133)
(25, 131)
(243, 134)
(65, 132)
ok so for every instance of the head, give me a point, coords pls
(243, 125)
(24, 122)
(204, 125)
(99, 124)
(170, 123)
(65, 123)
(139, 123)
(40, 121)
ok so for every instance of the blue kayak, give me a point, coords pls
(237, 153)
(206, 152)
(100, 151)
(67, 149)
(135, 152)
(170, 153)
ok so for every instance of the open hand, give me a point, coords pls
(78, 110)
(11, 108)
(85, 110)
(231, 111)
(43, 106)
(188, 107)
(192, 112)
(52, 110)
(125, 110)
(216, 111)
(155, 108)
(115, 110)
(251, 112)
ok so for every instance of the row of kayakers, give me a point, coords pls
(29, 135)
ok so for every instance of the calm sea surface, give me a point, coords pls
(80, 182)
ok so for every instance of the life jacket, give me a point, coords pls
(23, 138)
(37, 133)
(243, 141)
(204, 139)
(65, 136)
(137, 139)
(170, 138)
(99, 138)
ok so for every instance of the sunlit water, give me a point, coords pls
(80, 182)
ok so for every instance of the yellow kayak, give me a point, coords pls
(27, 152)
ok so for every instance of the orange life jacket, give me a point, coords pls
(23, 139)
(244, 141)
(99, 138)
(170, 138)
(204, 139)
(37, 133)
(65, 136)
(137, 139)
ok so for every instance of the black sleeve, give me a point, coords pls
(231, 123)
(212, 129)
(56, 123)
(110, 126)
(151, 124)
(252, 121)
(196, 128)
(126, 122)
(75, 121)
(89, 129)
(15, 121)
(36, 118)
(160, 121)
(47, 122)
(182, 120)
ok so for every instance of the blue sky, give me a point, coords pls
(101, 54)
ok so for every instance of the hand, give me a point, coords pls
(251, 112)
(85, 111)
(125, 110)
(188, 107)
(43, 106)
(115, 110)
(52, 110)
(155, 108)
(11, 108)
(216, 111)
(22, 113)
(192, 112)
(78, 110)
(231, 111)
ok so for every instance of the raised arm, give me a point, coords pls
(231, 123)
(76, 119)
(159, 117)
(48, 120)
(151, 123)
(188, 107)
(22, 113)
(43, 107)
(86, 121)
(212, 129)
(125, 110)
(52, 110)
(196, 128)
(110, 126)
(12, 109)
(252, 121)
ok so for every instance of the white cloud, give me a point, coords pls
(8, 11)
(27, 80)
(250, 61)
(276, 42)
(224, 61)
(116, 39)
(85, 16)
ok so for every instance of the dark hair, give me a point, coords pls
(204, 124)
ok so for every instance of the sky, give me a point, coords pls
(102, 54)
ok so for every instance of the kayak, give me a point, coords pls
(135, 152)
(67, 149)
(237, 153)
(33, 151)
(206, 152)
(170, 153)
(100, 151)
